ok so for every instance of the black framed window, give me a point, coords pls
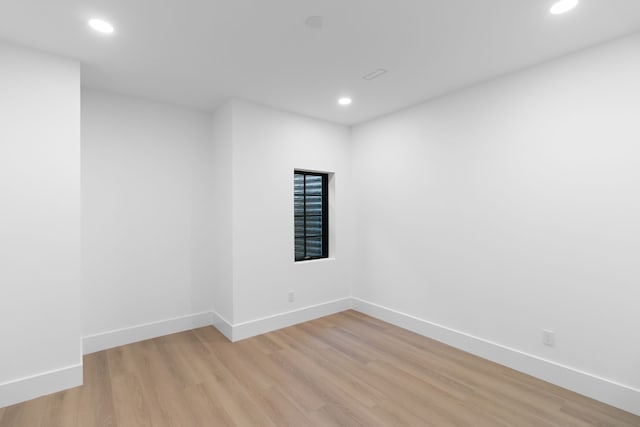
(310, 210)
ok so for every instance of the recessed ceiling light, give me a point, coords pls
(563, 6)
(101, 26)
(344, 101)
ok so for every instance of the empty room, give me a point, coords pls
(319, 213)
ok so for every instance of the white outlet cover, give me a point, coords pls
(549, 338)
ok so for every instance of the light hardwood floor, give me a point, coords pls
(345, 369)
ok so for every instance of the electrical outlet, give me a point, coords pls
(292, 296)
(549, 338)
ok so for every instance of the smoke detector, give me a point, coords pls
(315, 22)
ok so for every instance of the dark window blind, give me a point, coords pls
(310, 208)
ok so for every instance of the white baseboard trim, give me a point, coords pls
(255, 327)
(223, 325)
(118, 337)
(27, 388)
(602, 389)
(611, 392)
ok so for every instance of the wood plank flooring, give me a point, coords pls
(343, 370)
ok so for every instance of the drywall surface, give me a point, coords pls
(218, 212)
(513, 207)
(39, 220)
(268, 145)
(142, 173)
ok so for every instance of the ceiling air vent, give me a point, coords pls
(375, 74)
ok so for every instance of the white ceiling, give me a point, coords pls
(201, 52)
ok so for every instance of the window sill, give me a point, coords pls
(314, 261)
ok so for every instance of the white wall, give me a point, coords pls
(39, 224)
(513, 207)
(185, 212)
(267, 146)
(142, 194)
(219, 212)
